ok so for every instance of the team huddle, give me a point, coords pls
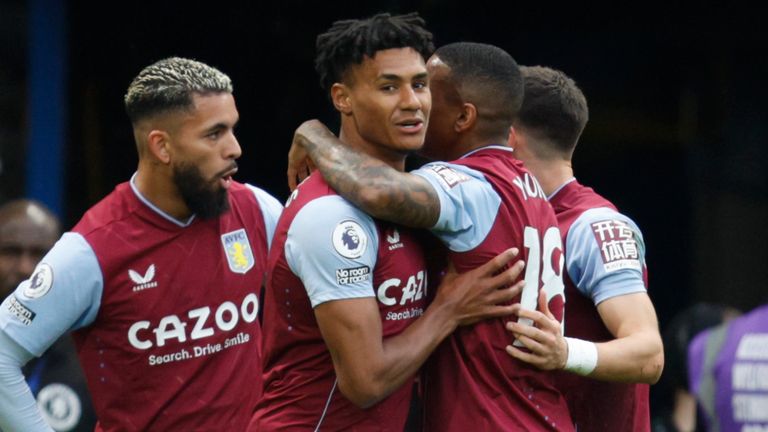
(486, 290)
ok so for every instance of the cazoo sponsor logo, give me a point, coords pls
(198, 324)
(393, 291)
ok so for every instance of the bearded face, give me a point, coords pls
(204, 197)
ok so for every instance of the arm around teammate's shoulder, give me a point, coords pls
(372, 185)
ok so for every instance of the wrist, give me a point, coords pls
(444, 314)
(582, 356)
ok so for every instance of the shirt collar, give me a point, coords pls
(494, 146)
(156, 209)
(559, 188)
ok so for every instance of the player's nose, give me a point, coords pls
(409, 100)
(233, 150)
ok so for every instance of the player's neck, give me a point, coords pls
(471, 141)
(157, 186)
(390, 157)
(459, 149)
(551, 174)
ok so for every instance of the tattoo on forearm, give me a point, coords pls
(374, 186)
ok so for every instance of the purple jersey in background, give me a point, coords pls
(728, 373)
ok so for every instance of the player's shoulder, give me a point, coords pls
(601, 224)
(114, 208)
(595, 217)
(329, 209)
(239, 190)
(452, 176)
(312, 188)
(333, 221)
(501, 168)
(72, 251)
(591, 214)
(493, 159)
(247, 193)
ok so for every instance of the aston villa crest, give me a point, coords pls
(238, 251)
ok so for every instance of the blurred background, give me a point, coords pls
(677, 93)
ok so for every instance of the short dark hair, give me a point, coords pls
(169, 85)
(491, 75)
(554, 107)
(348, 42)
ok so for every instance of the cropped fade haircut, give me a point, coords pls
(169, 84)
(490, 75)
(348, 42)
(554, 107)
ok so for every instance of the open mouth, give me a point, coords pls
(226, 178)
(411, 126)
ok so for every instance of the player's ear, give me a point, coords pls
(518, 140)
(158, 142)
(467, 117)
(512, 140)
(341, 98)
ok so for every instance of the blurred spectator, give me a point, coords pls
(27, 231)
(674, 407)
(728, 374)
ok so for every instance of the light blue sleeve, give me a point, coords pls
(468, 204)
(332, 247)
(18, 408)
(63, 294)
(605, 255)
(270, 208)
